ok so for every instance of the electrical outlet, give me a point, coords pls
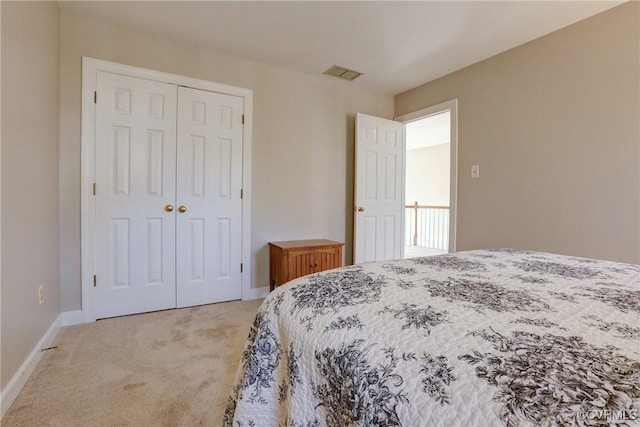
(41, 294)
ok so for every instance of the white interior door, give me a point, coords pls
(208, 239)
(135, 179)
(379, 204)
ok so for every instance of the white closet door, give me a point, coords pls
(135, 181)
(208, 238)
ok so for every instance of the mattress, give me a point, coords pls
(479, 338)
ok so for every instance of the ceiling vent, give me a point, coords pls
(343, 73)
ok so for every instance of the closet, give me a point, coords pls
(167, 223)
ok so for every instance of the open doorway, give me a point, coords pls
(428, 145)
(430, 180)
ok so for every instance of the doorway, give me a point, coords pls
(430, 180)
(428, 148)
(379, 196)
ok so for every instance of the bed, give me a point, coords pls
(497, 337)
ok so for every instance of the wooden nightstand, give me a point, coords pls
(297, 258)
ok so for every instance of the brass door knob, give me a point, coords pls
(168, 208)
(182, 208)
(360, 208)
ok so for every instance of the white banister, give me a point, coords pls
(427, 226)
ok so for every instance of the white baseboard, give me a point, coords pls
(21, 377)
(70, 318)
(255, 293)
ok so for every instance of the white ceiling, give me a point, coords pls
(398, 45)
(430, 131)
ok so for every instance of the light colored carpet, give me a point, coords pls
(168, 368)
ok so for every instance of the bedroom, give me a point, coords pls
(560, 189)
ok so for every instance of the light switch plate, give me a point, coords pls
(475, 171)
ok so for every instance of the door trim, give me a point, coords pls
(452, 106)
(90, 68)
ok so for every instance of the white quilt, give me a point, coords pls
(480, 338)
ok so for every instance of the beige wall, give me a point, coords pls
(555, 127)
(30, 129)
(427, 175)
(302, 183)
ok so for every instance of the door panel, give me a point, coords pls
(195, 260)
(121, 262)
(378, 189)
(390, 236)
(325, 259)
(135, 179)
(209, 231)
(154, 250)
(300, 263)
(390, 177)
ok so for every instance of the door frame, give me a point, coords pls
(452, 106)
(90, 68)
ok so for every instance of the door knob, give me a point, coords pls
(360, 208)
(168, 208)
(182, 208)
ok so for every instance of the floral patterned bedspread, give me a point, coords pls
(480, 338)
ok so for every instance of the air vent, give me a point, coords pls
(343, 73)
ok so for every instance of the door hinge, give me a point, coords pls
(95, 96)
(95, 280)
(94, 188)
(242, 193)
(241, 267)
(243, 119)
